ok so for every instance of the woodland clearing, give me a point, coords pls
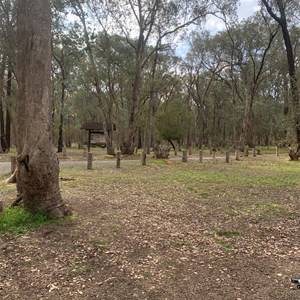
(168, 230)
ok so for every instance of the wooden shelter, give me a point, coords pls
(95, 134)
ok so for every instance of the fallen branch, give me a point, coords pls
(11, 179)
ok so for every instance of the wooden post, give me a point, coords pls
(90, 161)
(254, 152)
(89, 141)
(200, 156)
(246, 152)
(227, 157)
(118, 156)
(1, 206)
(64, 152)
(13, 164)
(214, 156)
(184, 156)
(277, 151)
(144, 159)
(237, 154)
(258, 151)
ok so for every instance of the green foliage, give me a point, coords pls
(18, 220)
(174, 121)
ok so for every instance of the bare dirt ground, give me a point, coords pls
(167, 230)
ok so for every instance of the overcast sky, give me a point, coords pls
(245, 9)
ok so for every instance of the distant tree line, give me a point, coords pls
(115, 62)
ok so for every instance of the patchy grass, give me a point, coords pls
(227, 234)
(18, 220)
(167, 230)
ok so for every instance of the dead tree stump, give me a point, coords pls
(118, 160)
(161, 151)
(90, 161)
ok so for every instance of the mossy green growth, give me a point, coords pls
(19, 220)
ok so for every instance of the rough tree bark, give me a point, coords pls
(38, 169)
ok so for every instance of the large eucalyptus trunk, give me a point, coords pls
(38, 169)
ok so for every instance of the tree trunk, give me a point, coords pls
(8, 118)
(245, 139)
(2, 127)
(38, 169)
(60, 143)
(295, 117)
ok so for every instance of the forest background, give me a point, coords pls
(152, 72)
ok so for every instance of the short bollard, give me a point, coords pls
(118, 160)
(237, 155)
(90, 161)
(200, 156)
(184, 156)
(144, 159)
(227, 157)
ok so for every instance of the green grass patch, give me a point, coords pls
(101, 243)
(227, 234)
(223, 243)
(19, 220)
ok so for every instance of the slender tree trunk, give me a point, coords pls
(295, 114)
(38, 170)
(2, 126)
(245, 139)
(200, 119)
(60, 143)
(129, 136)
(8, 118)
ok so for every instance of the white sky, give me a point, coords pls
(245, 9)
